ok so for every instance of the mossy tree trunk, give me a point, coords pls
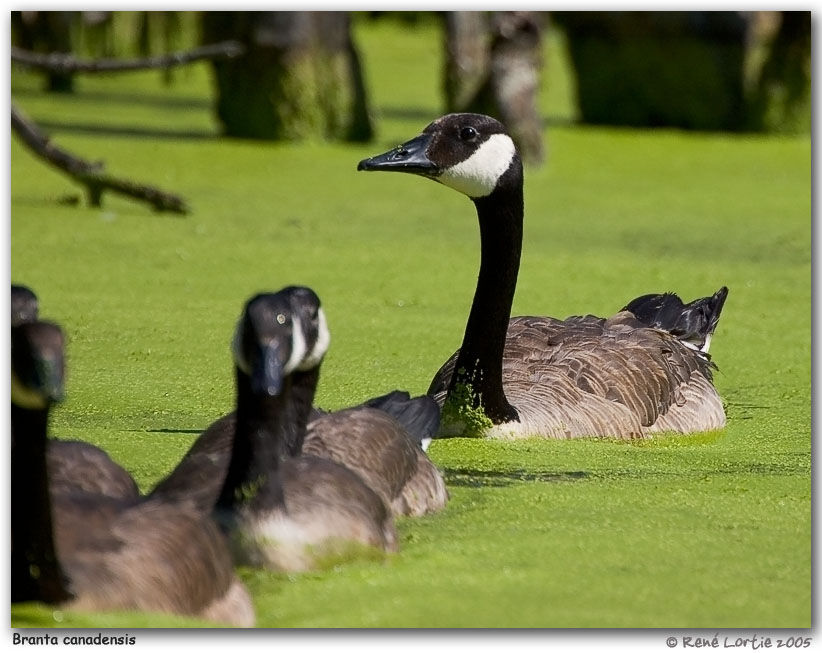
(492, 66)
(467, 56)
(783, 95)
(46, 31)
(300, 77)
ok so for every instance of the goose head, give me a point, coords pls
(268, 342)
(277, 334)
(469, 152)
(24, 305)
(37, 365)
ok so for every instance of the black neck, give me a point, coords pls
(264, 427)
(268, 430)
(36, 574)
(303, 388)
(479, 364)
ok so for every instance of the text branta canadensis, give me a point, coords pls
(383, 440)
(286, 512)
(539, 376)
(73, 464)
(86, 551)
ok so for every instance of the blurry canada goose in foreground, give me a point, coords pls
(91, 552)
(539, 376)
(382, 440)
(73, 464)
(282, 511)
(693, 323)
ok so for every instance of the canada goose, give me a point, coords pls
(281, 511)
(382, 440)
(693, 323)
(73, 464)
(91, 552)
(539, 376)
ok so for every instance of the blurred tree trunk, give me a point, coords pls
(46, 31)
(467, 56)
(492, 66)
(300, 77)
(783, 97)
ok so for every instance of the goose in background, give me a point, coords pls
(693, 323)
(382, 440)
(73, 464)
(286, 512)
(24, 304)
(90, 552)
(540, 376)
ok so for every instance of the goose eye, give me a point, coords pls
(468, 134)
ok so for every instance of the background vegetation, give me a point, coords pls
(708, 531)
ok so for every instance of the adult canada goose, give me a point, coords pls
(282, 511)
(91, 552)
(539, 376)
(693, 323)
(73, 464)
(382, 440)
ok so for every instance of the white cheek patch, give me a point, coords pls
(298, 346)
(237, 350)
(478, 175)
(320, 347)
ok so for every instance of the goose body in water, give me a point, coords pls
(281, 511)
(382, 440)
(87, 551)
(540, 376)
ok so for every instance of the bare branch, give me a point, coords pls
(58, 62)
(91, 175)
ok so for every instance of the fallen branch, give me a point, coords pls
(61, 63)
(91, 175)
